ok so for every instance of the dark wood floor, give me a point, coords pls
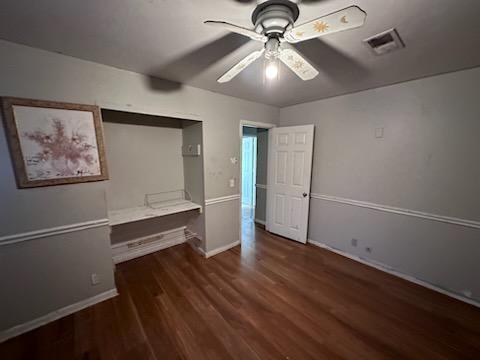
(269, 299)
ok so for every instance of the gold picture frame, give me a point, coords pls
(54, 143)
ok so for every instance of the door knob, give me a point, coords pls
(304, 194)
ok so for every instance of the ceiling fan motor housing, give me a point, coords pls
(272, 18)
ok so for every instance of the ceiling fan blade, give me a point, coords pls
(345, 19)
(237, 29)
(297, 63)
(234, 71)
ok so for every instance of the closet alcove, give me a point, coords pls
(155, 195)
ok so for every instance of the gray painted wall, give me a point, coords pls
(262, 162)
(143, 158)
(32, 73)
(426, 161)
(194, 178)
(43, 275)
(220, 219)
(249, 131)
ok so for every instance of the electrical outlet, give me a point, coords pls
(95, 279)
(379, 133)
(232, 182)
(354, 242)
(368, 249)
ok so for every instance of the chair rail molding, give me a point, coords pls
(222, 199)
(47, 232)
(396, 210)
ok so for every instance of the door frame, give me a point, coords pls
(254, 124)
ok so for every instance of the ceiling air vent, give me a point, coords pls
(385, 42)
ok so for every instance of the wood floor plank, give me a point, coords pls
(268, 299)
(319, 313)
(162, 340)
(354, 305)
(232, 343)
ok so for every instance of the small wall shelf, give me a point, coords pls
(156, 205)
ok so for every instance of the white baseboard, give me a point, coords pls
(261, 222)
(55, 315)
(389, 270)
(127, 250)
(221, 249)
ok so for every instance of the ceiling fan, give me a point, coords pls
(273, 22)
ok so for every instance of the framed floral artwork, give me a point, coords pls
(53, 143)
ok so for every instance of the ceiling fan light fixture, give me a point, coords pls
(274, 25)
(271, 70)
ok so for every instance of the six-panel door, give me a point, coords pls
(289, 175)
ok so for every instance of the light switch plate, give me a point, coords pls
(191, 150)
(379, 133)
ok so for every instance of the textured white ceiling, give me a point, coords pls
(167, 39)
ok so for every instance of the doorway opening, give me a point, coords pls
(249, 174)
(254, 154)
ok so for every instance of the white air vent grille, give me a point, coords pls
(385, 42)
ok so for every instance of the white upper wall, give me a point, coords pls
(31, 73)
(38, 74)
(428, 157)
(142, 159)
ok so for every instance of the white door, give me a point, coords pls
(289, 174)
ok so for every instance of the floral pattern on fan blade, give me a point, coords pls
(320, 26)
